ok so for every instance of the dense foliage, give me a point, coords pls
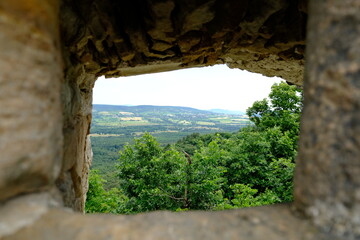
(251, 167)
(114, 126)
(100, 200)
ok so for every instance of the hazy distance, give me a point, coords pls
(217, 87)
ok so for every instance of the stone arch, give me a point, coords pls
(45, 153)
(113, 39)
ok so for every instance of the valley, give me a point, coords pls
(115, 126)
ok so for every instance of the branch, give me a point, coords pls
(169, 196)
(187, 156)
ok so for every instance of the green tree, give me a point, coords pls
(248, 162)
(283, 109)
(207, 176)
(152, 179)
(101, 201)
(263, 157)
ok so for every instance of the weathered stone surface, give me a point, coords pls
(30, 112)
(41, 105)
(128, 38)
(109, 37)
(328, 173)
(77, 107)
(25, 211)
(274, 222)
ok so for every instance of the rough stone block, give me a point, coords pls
(273, 223)
(30, 113)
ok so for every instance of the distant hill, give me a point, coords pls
(149, 108)
(224, 111)
(110, 120)
(114, 126)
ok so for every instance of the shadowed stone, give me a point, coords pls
(50, 59)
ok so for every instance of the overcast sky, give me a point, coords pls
(201, 88)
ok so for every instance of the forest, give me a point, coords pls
(115, 126)
(224, 170)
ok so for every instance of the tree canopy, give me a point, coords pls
(251, 167)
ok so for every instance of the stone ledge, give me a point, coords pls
(268, 222)
(23, 211)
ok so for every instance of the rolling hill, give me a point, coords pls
(114, 126)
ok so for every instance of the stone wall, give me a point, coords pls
(328, 171)
(112, 39)
(117, 38)
(30, 86)
(77, 154)
(52, 51)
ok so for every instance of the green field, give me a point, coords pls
(114, 126)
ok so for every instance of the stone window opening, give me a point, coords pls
(63, 46)
(208, 89)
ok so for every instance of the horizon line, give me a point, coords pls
(208, 109)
